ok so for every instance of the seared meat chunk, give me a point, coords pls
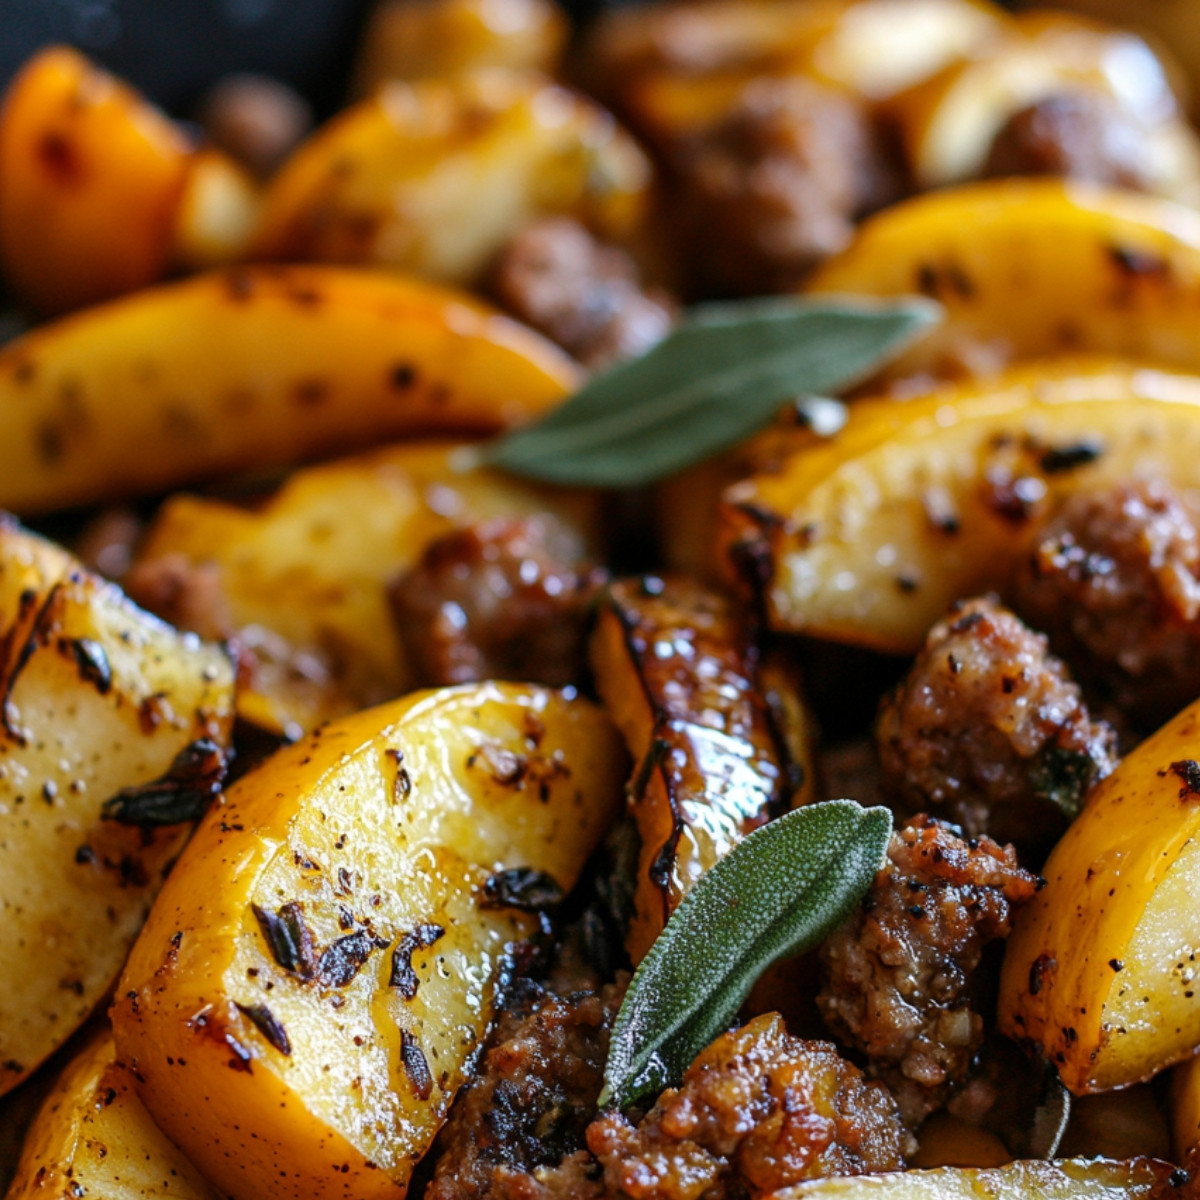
(897, 975)
(499, 600)
(530, 1102)
(775, 187)
(757, 1110)
(988, 729)
(188, 595)
(1080, 135)
(1114, 579)
(581, 293)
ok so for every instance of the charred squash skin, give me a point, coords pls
(680, 675)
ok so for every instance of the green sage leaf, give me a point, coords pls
(781, 891)
(719, 377)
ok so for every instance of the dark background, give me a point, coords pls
(172, 49)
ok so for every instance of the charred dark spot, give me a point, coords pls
(403, 978)
(403, 376)
(967, 622)
(344, 958)
(182, 794)
(522, 888)
(309, 393)
(304, 295)
(1038, 970)
(416, 1066)
(1188, 772)
(1139, 264)
(12, 1065)
(1066, 458)
(37, 636)
(239, 284)
(93, 665)
(1116, 964)
(268, 1025)
(402, 784)
(59, 157)
(84, 855)
(1015, 499)
(908, 581)
(505, 767)
(1178, 1178)
(289, 938)
(51, 443)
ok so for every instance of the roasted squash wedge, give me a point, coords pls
(449, 37)
(300, 581)
(1099, 973)
(252, 368)
(1064, 1179)
(315, 979)
(90, 178)
(675, 667)
(1031, 268)
(869, 536)
(106, 712)
(433, 177)
(93, 1137)
(948, 122)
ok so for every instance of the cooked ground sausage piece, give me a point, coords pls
(1080, 135)
(529, 1105)
(988, 729)
(498, 600)
(1114, 579)
(897, 975)
(188, 595)
(757, 1110)
(774, 188)
(581, 293)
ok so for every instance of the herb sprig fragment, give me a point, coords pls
(781, 891)
(719, 377)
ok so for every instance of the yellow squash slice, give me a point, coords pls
(869, 536)
(433, 177)
(99, 699)
(301, 580)
(317, 976)
(1100, 970)
(252, 368)
(1030, 268)
(93, 1137)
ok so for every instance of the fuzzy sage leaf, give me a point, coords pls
(781, 891)
(719, 377)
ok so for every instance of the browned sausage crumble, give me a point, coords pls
(1114, 579)
(757, 1110)
(1079, 135)
(988, 729)
(527, 1109)
(776, 185)
(897, 974)
(499, 600)
(582, 294)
